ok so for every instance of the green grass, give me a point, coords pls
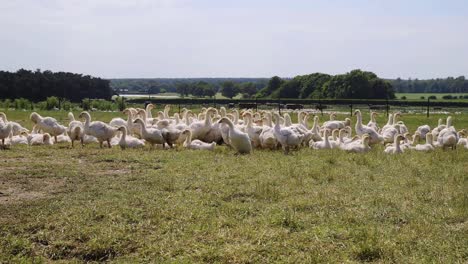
(90, 204)
(417, 96)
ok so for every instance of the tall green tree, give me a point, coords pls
(229, 89)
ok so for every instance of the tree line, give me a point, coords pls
(39, 85)
(448, 85)
(356, 84)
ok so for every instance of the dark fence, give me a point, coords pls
(373, 104)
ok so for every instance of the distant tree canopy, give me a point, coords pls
(448, 85)
(229, 89)
(355, 84)
(37, 85)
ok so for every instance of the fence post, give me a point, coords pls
(256, 106)
(351, 106)
(428, 102)
(279, 105)
(386, 100)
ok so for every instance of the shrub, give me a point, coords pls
(67, 105)
(22, 103)
(52, 102)
(465, 97)
(422, 97)
(432, 97)
(403, 98)
(7, 104)
(86, 104)
(120, 101)
(447, 97)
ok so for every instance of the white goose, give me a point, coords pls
(16, 128)
(48, 125)
(375, 138)
(239, 140)
(196, 144)
(127, 141)
(361, 147)
(373, 123)
(100, 130)
(427, 146)
(448, 136)
(395, 148)
(151, 135)
(5, 131)
(324, 143)
(286, 136)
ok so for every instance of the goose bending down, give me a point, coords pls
(127, 141)
(361, 147)
(196, 144)
(48, 125)
(462, 139)
(286, 136)
(426, 146)
(239, 140)
(395, 148)
(100, 130)
(374, 137)
(16, 128)
(323, 144)
(423, 130)
(151, 135)
(336, 124)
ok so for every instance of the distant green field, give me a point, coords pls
(417, 96)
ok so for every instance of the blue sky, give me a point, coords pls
(255, 38)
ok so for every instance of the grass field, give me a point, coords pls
(417, 96)
(90, 204)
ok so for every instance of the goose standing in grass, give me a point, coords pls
(5, 131)
(196, 144)
(426, 146)
(435, 132)
(239, 140)
(16, 128)
(267, 136)
(373, 123)
(375, 138)
(48, 125)
(286, 136)
(127, 141)
(448, 136)
(100, 130)
(151, 135)
(395, 148)
(253, 131)
(202, 127)
(336, 124)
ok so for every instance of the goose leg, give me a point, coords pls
(108, 143)
(73, 145)
(82, 142)
(100, 144)
(55, 137)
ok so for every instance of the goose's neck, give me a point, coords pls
(124, 135)
(372, 117)
(166, 112)
(188, 140)
(148, 112)
(390, 120)
(359, 119)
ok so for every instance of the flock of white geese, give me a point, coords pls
(242, 132)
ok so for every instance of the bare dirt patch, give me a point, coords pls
(14, 192)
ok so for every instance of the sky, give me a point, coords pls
(243, 38)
